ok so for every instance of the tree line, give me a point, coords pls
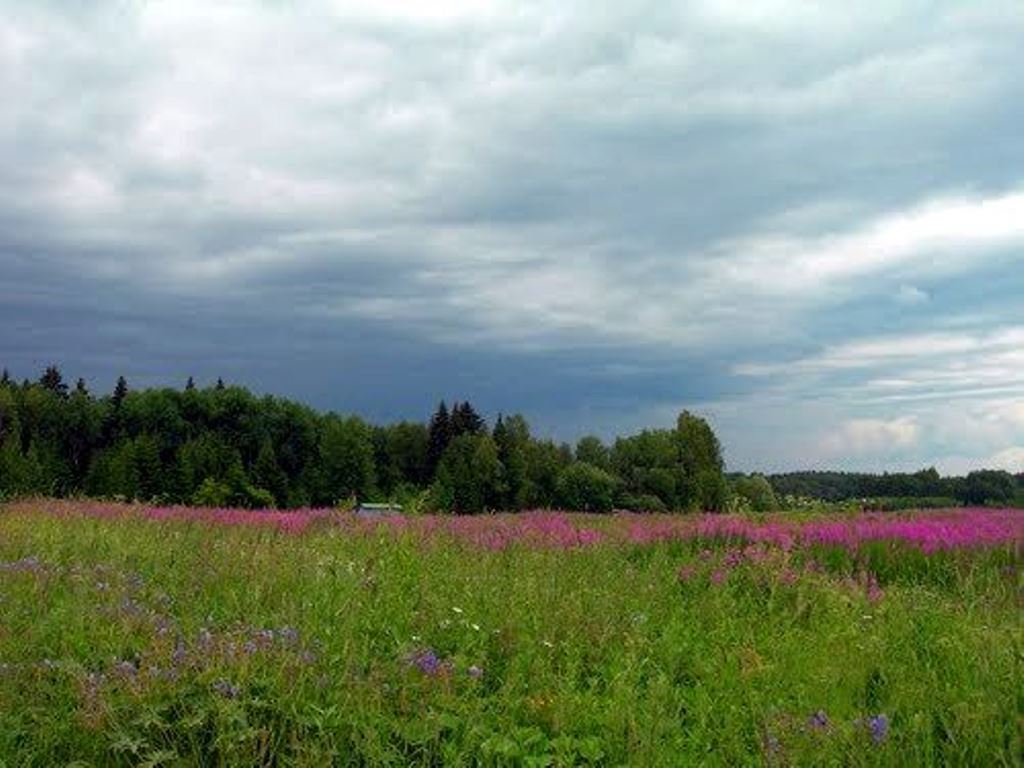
(983, 486)
(223, 445)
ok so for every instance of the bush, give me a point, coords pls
(644, 502)
(584, 487)
(211, 493)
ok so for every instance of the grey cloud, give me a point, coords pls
(508, 187)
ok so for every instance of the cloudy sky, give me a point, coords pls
(802, 221)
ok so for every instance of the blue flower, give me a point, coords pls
(878, 725)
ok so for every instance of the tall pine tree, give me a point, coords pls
(439, 435)
(53, 381)
(120, 392)
(465, 420)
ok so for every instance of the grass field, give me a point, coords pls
(137, 636)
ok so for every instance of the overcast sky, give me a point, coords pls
(802, 220)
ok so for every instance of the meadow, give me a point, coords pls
(133, 635)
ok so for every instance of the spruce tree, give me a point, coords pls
(439, 435)
(220, 384)
(53, 381)
(190, 385)
(80, 388)
(120, 392)
(465, 420)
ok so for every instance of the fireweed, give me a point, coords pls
(132, 634)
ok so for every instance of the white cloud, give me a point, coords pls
(871, 436)
(1010, 459)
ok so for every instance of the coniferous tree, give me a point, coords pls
(465, 420)
(5, 378)
(439, 435)
(220, 384)
(53, 381)
(120, 392)
(190, 385)
(80, 388)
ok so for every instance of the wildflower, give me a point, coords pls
(874, 592)
(226, 689)
(289, 635)
(426, 661)
(718, 577)
(126, 668)
(180, 654)
(475, 672)
(476, 627)
(265, 636)
(456, 609)
(878, 726)
(686, 573)
(818, 720)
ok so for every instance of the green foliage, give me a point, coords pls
(583, 486)
(988, 486)
(469, 475)
(755, 493)
(346, 459)
(212, 493)
(591, 450)
(589, 656)
(166, 444)
(640, 503)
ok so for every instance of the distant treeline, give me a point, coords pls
(903, 489)
(223, 445)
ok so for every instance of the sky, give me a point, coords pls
(804, 221)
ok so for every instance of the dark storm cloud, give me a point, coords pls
(595, 214)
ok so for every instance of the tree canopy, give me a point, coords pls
(224, 445)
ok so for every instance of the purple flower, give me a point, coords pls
(180, 654)
(289, 635)
(818, 720)
(428, 662)
(878, 725)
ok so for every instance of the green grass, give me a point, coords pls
(593, 656)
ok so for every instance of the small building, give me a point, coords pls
(368, 509)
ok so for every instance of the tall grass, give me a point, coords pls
(130, 638)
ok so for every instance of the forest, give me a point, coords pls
(225, 446)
